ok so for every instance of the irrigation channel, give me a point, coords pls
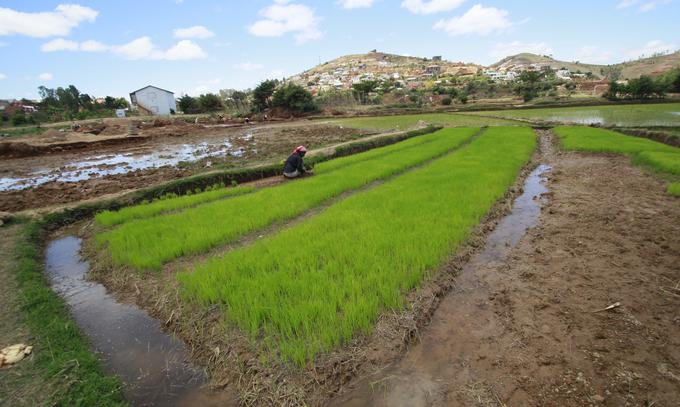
(153, 364)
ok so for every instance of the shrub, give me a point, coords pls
(446, 101)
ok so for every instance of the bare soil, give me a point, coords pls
(270, 142)
(532, 329)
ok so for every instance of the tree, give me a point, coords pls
(446, 101)
(187, 104)
(614, 89)
(642, 88)
(363, 88)
(294, 98)
(210, 102)
(529, 84)
(675, 85)
(263, 93)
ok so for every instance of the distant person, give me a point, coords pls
(295, 166)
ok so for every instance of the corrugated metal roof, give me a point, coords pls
(151, 86)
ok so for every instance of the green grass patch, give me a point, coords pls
(168, 203)
(148, 243)
(674, 189)
(410, 120)
(315, 286)
(61, 354)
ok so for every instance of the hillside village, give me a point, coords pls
(414, 73)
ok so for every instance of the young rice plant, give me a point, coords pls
(314, 286)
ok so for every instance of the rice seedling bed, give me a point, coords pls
(148, 243)
(316, 285)
(658, 156)
(168, 203)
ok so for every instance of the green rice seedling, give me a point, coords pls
(660, 161)
(168, 203)
(410, 120)
(148, 243)
(316, 285)
(342, 162)
(606, 141)
(674, 189)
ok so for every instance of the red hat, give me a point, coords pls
(300, 149)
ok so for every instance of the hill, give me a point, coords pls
(654, 66)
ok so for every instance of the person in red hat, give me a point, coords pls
(295, 166)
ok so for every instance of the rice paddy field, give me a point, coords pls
(290, 283)
(640, 115)
(400, 122)
(657, 156)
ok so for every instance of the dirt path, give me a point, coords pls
(19, 385)
(520, 329)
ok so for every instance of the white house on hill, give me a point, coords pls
(153, 100)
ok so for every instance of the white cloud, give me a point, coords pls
(93, 46)
(197, 31)
(45, 76)
(284, 17)
(45, 24)
(504, 49)
(140, 48)
(59, 44)
(430, 7)
(593, 55)
(249, 66)
(349, 4)
(478, 20)
(3, 76)
(651, 48)
(627, 3)
(184, 50)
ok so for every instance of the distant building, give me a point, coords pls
(153, 100)
(433, 70)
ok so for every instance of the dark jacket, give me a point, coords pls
(294, 162)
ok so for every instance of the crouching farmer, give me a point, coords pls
(295, 166)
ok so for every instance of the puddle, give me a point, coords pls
(114, 164)
(130, 344)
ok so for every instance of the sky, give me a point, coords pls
(198, 46)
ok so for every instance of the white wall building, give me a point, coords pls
(153, 100)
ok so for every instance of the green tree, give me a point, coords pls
(187, 104)
(642, 88)
(363, 88)
(262, 94)
(210, 102)
(294, 98)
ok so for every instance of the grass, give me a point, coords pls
(61, 354)
(317, 285)
(635, 115)
(408, 121)
(148, 243)
(168, 203)
(674, 189)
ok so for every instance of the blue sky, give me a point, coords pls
(195, 46)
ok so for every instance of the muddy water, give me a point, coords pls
(131, 344)
(439, 362)
(114, 164)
